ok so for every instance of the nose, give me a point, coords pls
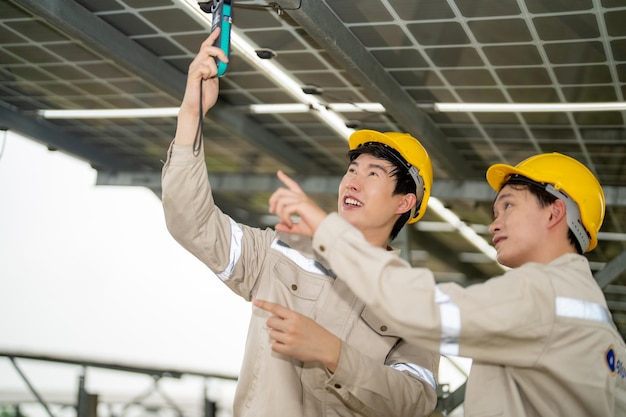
(352, 183)
(494, 226)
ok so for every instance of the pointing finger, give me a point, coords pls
(273, 308)
(290, 183)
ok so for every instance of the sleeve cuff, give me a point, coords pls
(338, 381)
(327, 233)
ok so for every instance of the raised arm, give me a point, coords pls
(191, 215)
(201, 77)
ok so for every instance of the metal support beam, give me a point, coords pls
(157, 372)
(55, 138)
(612, 270)
(241, 183)
(322, 24)
(234, 120)
(210, 408)
(75, 20)
(441, 251)
(30, 386)
(452, 401)
(87, 404)
(447, 190)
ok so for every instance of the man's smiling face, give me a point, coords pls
(366, 197)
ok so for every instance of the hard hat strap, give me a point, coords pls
(574, 220)
(419, 184)
(417, 178)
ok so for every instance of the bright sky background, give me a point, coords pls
(91, 272)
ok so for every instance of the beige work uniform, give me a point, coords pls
(378, 373)
(541, 338)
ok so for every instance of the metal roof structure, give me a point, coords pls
(407, 55)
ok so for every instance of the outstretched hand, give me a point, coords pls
(300, 337)
(203, 68)
(200, 77)
(292, 201)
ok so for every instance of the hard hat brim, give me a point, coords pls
(498, 174)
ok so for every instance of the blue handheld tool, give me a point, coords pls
(222, 17)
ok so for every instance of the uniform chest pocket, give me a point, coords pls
(375, 337)
(379, 326)
(299, 283)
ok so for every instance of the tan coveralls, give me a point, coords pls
(378, 373)
(542, 340)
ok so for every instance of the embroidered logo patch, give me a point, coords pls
(615, 364)
(609, 356)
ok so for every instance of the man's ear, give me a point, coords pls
(558, 212)
(407, 203)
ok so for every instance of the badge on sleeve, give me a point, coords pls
(609, 357)
(616, 365)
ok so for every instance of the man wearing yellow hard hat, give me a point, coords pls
(541, 337)
(340, 360)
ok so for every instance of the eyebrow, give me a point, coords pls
(498, 198)
(502, 196)
(373, 166)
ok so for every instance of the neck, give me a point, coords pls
(377, 238)
(548, 253)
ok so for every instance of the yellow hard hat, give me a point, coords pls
(420, 166)
(567, 179)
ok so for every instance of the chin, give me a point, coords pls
(502, 259)
(509, 263)
(346, 214)
(351, 218)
